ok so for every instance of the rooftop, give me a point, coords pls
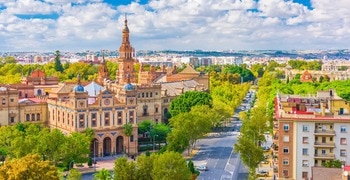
(307, 107)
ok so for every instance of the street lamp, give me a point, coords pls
(154, 142)
(95, 154)
(69, 169)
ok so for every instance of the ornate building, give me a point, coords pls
(102, 72)
(14, 109)
(105, 106)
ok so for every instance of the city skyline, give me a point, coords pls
(74, 25)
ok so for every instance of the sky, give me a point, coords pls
(79, 25)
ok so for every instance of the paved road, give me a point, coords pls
(216, 152)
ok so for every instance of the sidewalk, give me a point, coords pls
(101, 162)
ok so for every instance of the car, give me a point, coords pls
(265, 162)
(263, 173)
(202, 168)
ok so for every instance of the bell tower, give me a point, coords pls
(126, 59)
(102, 71)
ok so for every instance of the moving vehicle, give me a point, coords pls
(202, 168)
(263, 173)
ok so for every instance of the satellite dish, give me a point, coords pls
(346, 173)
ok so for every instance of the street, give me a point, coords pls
(216, 152)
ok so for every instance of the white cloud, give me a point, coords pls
(176, 24)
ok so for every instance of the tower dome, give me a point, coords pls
(128, 87)
(78, 87)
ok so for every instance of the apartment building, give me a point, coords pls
(309, 131)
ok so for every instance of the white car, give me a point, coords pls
(202, 168)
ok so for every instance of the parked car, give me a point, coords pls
(202, 168)
(263, 173)
(265, 162)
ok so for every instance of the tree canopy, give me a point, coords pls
(30, 166)
(23, 139)
(186, 101)
(168, 165)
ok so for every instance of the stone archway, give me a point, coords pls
(119, 144)
(94, 148)
(107, 146)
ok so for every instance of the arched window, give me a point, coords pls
(27, 117)
(38, 116)
(33, 117)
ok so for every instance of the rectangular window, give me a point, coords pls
(146, 94)
(285, 138)
(343, 129)
(305, 163)
(323, 151)
(343, 152)
(3, 101)
(285, 173)
(12, 119)
(93, 119)
(81, 121)
(285, 162)
(304, 175)
(150, 95)
(285, 150)
(131, 117)
(305, 151)
(156, 109)
(305, 140)
(343, 141)
(11, 100)
(132, 138)
(120, 117)
(143, 95)
(106, 118)
(286, 127)
(305, 128)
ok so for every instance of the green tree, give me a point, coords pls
(76, 147)
(50, 145)
(103, 174)
(160, 131)
(144, 126)
(170, 165)
(186, 101)
(144, 167)
(257, 70)
(58, 64)
(333, 164)
(28, 167)
(193, 170)
(124, 170)
(74, 174)
(127, 129)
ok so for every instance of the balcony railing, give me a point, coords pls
(324, 156)
(324, 132)
(324, 144)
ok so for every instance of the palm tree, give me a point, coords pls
(127, 128)
(103, 174)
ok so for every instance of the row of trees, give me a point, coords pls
(23, 139)
(167, 165)
(255, 123)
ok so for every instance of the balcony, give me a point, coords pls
(324, 132)
(324, 144)
(324, 156)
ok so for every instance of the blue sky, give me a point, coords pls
(75, 25)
